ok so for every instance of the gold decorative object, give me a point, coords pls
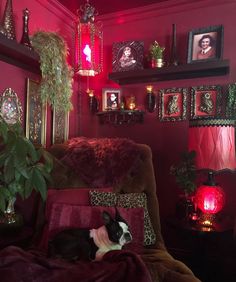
(25, 36)
(10, 107)
(8, 21)
(60, 126)
(36, 115)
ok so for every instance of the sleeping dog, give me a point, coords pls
(84, 244)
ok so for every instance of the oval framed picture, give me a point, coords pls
(10, 106)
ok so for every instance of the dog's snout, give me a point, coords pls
(127, 236)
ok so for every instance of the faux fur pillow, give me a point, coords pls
(130, 200)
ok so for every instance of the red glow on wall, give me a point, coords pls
(210, 199)
(89, 49)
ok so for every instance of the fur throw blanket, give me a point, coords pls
(102, 162)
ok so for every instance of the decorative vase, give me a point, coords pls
(8, 21)
(25, 36)
(185, 207)
(157, 63)
(174, 60)
(10, 220)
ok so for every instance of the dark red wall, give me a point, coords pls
(167, 139)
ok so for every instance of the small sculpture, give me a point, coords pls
(88, 13)
(207, 104)
(172, 106)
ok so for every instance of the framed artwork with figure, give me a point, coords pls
(127, 55)
(111, 99)
(205, 44)
(173, 104)
(206, 101)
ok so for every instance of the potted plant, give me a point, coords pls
(156, 54)
(185, 176)
(23, 168)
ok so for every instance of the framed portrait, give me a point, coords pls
(36, 115)
(10, 106)
(205, 44)
(173, 104)
(127, 55)
(111, 99)
(60, 126)
(206, 102)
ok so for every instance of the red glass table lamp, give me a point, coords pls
(213, 140)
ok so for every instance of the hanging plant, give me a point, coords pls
(56, 83)
(231, 101)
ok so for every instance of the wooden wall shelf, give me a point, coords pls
(119, 117)
(18, 55)
(187, 71)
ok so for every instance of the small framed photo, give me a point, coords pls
(60, 126)
(206, 101)
(127, 55)
(205, 44)
(173, 104)
(36, 115)
(111, 99)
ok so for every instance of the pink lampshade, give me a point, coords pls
(213, 141)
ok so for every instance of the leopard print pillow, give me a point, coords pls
(131, 200)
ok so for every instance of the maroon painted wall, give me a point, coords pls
(167, 139)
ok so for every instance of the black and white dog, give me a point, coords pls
(84, 244)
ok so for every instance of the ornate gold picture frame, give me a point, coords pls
(36, 115)
(173, 104)
(60, 126)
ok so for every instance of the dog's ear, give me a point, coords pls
(118, 217)
(106, 217)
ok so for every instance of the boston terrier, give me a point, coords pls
(83, 244)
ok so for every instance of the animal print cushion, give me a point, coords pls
(130, 200)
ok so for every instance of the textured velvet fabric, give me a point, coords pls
(71, 216)
(116, 266)
(140, 179)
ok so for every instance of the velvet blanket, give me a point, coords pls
(32, 266)
(102, 162)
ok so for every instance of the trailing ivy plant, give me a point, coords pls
(56, 82)
(23, 168)
(231, 101)
(185, 172)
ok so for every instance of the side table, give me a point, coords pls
(205, 250)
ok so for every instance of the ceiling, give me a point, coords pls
(108, 6)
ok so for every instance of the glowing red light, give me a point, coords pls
(210, 199)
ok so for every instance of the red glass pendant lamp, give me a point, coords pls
(213, 140)
(89, 42)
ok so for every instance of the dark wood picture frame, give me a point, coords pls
(127, 55)
(206, 101)
(107, 104)
(173, 104)
(210, 36)
(36, 115)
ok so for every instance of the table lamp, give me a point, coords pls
(213, 140)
